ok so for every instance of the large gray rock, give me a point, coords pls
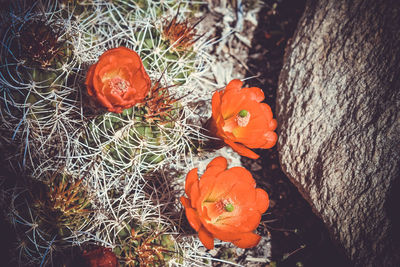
(338, 110)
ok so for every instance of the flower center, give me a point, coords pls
(225, 205)
(118, 85)
(243, 118)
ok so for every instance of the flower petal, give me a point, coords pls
(267, 111)
(227, 236)
(193, 218)
(254, 93)
(234, 85)
(241, 149)
(141, 82)
(89, 80)
(211, 210)
(242, 174)
(191, 178)
(244, 221)
(206, 238)
(194, 193)
(185, 202)
(219, 162)
(216, 106)
(271, 138)
(122, 56)
(104, 101)
(232, 102)
(215, 167)
(262, 200)
(247, 240)
(217, 188)
(273, 124)
(191, 214)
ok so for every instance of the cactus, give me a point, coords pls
(140, 246)
(46, 217)
(35, 59)
(147, 133)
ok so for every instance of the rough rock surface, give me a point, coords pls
(338, 110)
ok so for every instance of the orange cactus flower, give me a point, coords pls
(241, 120)
(118, 80)
(224, 204)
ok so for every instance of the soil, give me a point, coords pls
(299, 237)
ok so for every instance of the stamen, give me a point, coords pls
(243, 118)
(220, 206)
(118, 86)
(224, 205)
